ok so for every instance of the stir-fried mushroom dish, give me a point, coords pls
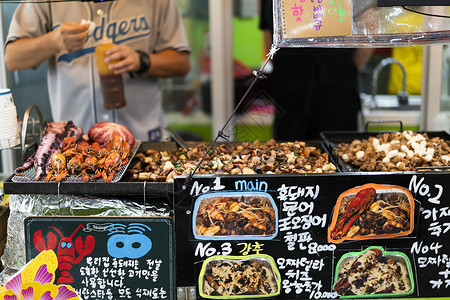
(239, 277)
(397, 151)
(373, 273)
(372, 212)
(244, 158)
(246, 215)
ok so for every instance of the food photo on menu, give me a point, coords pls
(235, 215)
(373, 272)
(372, 211)
(238, 277)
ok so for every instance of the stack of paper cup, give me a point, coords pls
(9, 133)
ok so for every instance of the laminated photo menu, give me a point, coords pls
(316, 18)
(357, 23)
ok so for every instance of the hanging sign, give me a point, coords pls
(316, 18)
(359, 24)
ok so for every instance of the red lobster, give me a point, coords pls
(362, 200)
(65, 250)
(364, 262)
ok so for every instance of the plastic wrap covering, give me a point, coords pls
(306, 23)
(22, 206)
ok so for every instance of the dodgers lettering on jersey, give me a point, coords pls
(74, 90)
(119, 31)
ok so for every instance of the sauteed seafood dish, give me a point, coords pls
(244, 215)
(373, 272)
(239, 277)
(372, 212)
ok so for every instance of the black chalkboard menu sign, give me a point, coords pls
(108, 257)
(314, 236)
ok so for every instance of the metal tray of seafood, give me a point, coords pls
(121, 186)
(172, 146)
(124, 186)
(28, 175)
(331, 140)
(25, 184)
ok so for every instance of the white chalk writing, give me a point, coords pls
(424, 189)
(440, 260)
(207, 250)
(296, 221)
(106, 278)
(199, 188)
(436, 222)
(295, 192)
(295, 239)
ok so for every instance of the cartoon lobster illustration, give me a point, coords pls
(65, 250)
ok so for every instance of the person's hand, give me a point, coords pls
(71, 36)
(123, 59)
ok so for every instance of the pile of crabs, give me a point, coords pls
(88, 160)
(65, 152)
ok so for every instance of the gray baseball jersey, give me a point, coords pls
(73, 81)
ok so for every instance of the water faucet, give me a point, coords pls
(402, 95)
